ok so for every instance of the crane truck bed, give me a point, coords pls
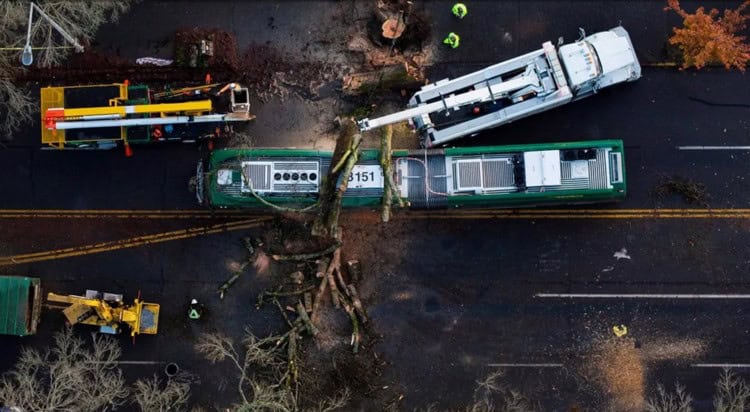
(101, 116)
(534, 82)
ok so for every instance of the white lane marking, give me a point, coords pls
(713, 147)
(720, 365)
(526, 365)
(638, 296)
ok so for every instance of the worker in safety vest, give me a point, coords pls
(195, 310)
(452, 40)
(459, 10)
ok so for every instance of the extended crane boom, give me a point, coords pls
(489, 92)
(516, 88)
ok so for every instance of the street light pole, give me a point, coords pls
(27, 57)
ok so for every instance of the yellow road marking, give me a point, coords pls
(583, 214)
(130, 242)
(573, 216)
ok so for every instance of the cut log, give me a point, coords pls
(292, 359)
(357, 303)
(322, 267)
(308, 298)
(386, 137)
(355, 323)
(297, 277)
(354, 269)
(249, 246)
(283, 313)
(333, 267)
(334, 289)
(319, 298)
(227, 284)
(311, 329)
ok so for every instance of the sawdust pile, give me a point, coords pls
(662, 350)
(621, 368)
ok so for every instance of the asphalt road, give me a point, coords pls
(656, 115)
(458, 294)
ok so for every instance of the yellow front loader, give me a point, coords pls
(108, 312)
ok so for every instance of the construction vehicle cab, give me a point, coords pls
(20, 305)
(108, 312)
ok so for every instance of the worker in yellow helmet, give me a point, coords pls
(459, 10)
(452, 40)
(620, 330)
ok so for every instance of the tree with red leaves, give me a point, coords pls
(708, 38)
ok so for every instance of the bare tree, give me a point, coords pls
(80, 19)
(69, 376)
(665, 401)
(732, 393)
(264, 372)
(153, 395)
(491, 394)
(257, 392)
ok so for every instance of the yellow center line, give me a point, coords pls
(130, 242)
(583, 214)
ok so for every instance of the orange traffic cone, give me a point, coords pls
(128, 150)
(208, 78)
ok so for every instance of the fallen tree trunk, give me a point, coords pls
(302, 313)
(345, 145)
(308, 256)
(332, 221)
(357, 303)
(395, 76)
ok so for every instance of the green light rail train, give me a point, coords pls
(491, 176)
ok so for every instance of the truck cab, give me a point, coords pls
(598, 61)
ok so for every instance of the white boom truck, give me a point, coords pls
(516, 88)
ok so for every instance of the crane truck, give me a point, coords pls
(101, 116)
(504, 92)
